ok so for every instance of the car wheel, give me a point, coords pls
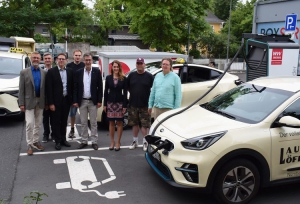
(237, 182)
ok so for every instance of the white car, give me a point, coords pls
(10, 66)
(195, 79)
(246, 138)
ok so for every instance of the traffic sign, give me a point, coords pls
(291, 22)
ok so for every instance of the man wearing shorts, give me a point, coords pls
(139, 86)
(76, 65)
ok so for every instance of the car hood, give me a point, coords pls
(9, 82)
(198, 121)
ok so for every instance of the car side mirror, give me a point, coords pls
(289, 121)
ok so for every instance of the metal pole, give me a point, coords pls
(228, 40)
(188, 43)
(66, 34)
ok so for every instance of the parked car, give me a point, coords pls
(10, 66)
(196, 80)
(56, 51)
(231, 146)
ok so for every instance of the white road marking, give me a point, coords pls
(70, 151)
(80, 170)
(76, 134)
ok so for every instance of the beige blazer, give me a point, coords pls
(26, 89)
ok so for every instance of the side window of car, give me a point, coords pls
(198, 74)
(215, 74)
(293, 110)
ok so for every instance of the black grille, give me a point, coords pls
(261, 71)
(3, 111)
(161, 167)
(191, 176)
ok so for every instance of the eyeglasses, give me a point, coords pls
(61, 59)
(87, 60)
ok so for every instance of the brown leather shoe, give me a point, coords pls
(29, 151)
(82, 145)
(37, 146)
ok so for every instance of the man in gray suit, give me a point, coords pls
(32, 100)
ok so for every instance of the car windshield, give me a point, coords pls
(248, 102)
(10, 65)
(150, 67)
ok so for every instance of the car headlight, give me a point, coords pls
(202, 142)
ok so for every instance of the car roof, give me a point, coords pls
(199, 65)
(288, 83)
(12, 55)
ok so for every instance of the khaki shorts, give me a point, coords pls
(139, 115)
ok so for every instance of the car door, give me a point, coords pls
(195, 82)
(285, 154)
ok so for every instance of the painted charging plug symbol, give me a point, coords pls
(81, 172)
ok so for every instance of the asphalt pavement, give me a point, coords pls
(87, 176)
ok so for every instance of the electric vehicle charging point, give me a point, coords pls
(81, 172)
(271, 55)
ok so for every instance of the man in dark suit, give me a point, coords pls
(32, 101)
(88, 92)
(59, 89)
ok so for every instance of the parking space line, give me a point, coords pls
(70, 151)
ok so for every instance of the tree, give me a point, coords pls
(19, 17)
(161, 23)
(109, 15)
(221, 8)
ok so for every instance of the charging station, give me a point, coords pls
(271, 55)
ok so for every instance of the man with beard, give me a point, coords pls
(32, 101)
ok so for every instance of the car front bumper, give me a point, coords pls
(181, 167)
(9, 105)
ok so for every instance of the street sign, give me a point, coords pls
(291, 22)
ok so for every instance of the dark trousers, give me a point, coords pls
(47, 122)
(59, 121)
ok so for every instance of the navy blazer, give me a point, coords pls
(54, 87)
(115, 94)
(96, 86)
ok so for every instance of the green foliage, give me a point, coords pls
(34, 196)
(195, 53)
(221, 8)
(161, 23)
(241, 20)
(19, 17)
(40, 39)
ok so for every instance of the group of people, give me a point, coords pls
(56, 92)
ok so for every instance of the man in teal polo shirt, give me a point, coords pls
(166, 90)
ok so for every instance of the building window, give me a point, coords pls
(113, 31)
(44, 30)
(213, 27)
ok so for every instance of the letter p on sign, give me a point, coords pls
(291, 22)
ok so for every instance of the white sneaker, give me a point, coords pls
(133, 145)
(145, 146)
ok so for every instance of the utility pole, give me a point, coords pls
(66, 37)
(228, 40)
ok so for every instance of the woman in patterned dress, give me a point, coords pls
(115, 102)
